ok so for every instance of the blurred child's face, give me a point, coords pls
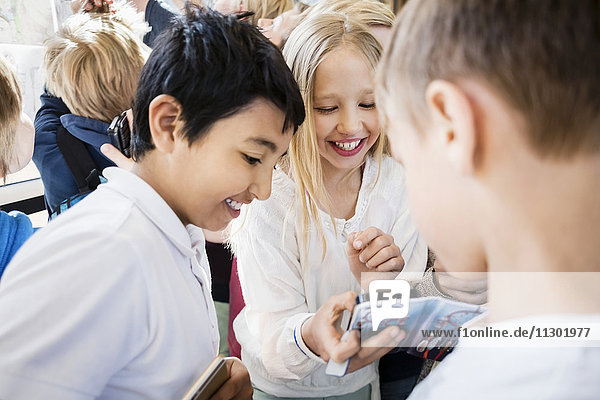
(345, 118)
(23, 148)
(229, 6)
(232, 165)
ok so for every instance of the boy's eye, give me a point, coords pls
(251, 160)
(325, 110)
(368, 106)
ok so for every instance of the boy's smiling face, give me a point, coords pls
(206, 183)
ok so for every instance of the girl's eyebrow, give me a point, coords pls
(328, 96)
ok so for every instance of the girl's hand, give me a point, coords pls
(322, 334)
(372, 251)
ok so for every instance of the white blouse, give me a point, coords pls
(283, 285)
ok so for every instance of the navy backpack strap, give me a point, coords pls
(78, 159)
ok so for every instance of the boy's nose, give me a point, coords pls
(261, 187)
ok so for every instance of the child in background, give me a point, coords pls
(260, 8)
(291, 249)
(16, 148)
(112, 300)
(267, 8)
(92, 64)
(493, 109)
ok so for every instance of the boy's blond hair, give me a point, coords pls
(267, 8)
(94, 62)
(10, 113)
(541, 57)
(308, 45)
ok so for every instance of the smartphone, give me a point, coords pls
(210, 381)
(119, 134)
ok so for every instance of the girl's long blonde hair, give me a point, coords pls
(307, 47)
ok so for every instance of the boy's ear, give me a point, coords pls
(453, 119)
(163, 114)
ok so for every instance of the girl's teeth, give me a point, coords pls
(348, 146)
(234, 204)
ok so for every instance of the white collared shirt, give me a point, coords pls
(111, 300)
(283, 285)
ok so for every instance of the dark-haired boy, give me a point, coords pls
(112, 299)
(495, 105)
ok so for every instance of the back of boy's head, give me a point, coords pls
(10, 112)
(214, 66)
(542, 57)
(94, 61)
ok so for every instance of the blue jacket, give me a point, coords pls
(15, 229)
(58, 182)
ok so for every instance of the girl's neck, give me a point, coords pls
(343, 187)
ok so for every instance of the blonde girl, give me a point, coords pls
(338, 206)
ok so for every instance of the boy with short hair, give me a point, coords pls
(93, 64)
(112, 299)
(495, 105)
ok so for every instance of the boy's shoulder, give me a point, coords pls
(107, 220)
(15, 229)
(14, 221)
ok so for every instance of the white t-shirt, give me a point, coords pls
(111, 300)
(544, 373)
(284, 285)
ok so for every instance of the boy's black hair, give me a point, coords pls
(214, 66)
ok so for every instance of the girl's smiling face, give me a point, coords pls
(344, 113)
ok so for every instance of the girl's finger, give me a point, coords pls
(374, 247)
(384, 255)
(395, 264)
(365, 237)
